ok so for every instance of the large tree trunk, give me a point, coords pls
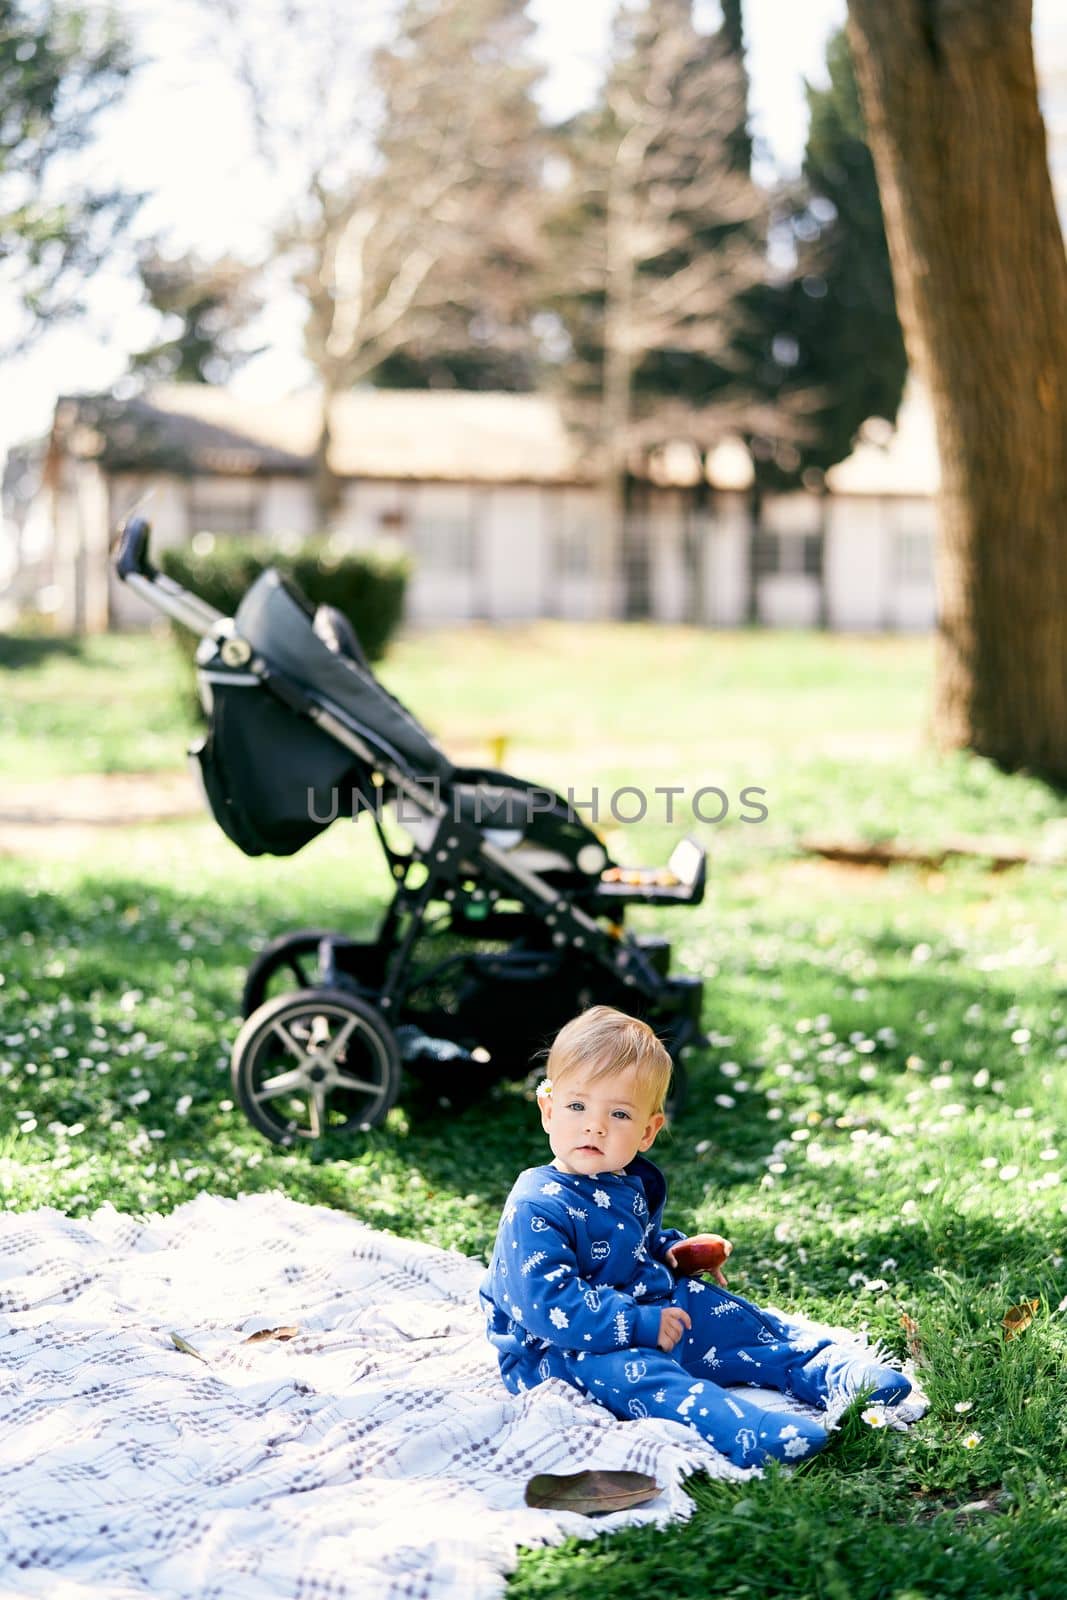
(950, 98)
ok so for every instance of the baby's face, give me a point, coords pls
(598, 1127)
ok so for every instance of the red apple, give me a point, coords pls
(704, 1252)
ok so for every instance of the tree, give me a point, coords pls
(61, 66)
(718, 58)
(833, 328)
(396, 181)
(655, 242)
(731, 35)
(468, 67)
(950, 98)
(213, 302)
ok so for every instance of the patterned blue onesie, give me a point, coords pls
(575, 1288)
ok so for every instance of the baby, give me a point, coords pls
(583, 1283)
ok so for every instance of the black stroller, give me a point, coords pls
(508, 914)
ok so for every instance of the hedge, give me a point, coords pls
(367, 585)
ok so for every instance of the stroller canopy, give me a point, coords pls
(281, 629)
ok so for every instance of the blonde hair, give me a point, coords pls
(602, 1041)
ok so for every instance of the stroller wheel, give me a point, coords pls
(315, 1062)
(288, 962)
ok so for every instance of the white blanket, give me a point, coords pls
(376, 1453)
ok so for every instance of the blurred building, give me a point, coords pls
(488, 494)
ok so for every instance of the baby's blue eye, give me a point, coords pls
(576, 1105)
(624, 1114)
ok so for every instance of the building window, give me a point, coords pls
(913, 556)
(445, 545)
(792, 555)
(224, 507)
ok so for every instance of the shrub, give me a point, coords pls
(367, 585)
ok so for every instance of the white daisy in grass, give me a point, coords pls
(874, 1416)
(963, 1406)
(971, 1441)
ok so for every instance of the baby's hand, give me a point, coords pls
(673, 1322)
(704, 1252)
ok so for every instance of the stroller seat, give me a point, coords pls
(518, 817)
(338, 635)
(279, 624)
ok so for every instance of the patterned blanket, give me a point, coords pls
(376, 1452)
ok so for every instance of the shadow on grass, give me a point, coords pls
(30, 650)
(179, 959)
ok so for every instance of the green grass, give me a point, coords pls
(830, 727)
(878, 1123)
(102, 704)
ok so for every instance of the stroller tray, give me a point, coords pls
(648, 885)
(681, 881)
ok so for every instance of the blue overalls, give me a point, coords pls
(575, 1288)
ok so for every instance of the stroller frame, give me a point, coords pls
(371, 1005)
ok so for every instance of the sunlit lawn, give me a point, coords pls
(96, 705)
(831, 727)
(878, 1123)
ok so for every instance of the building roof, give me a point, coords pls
(893, 461)
(430, 435)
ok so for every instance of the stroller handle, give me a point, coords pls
(131, 549)
(130, 557)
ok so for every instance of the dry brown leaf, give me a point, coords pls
(186, 1348)
(271, 1333)
(592, 1493)
(911, 1334)
(1019, 1318)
